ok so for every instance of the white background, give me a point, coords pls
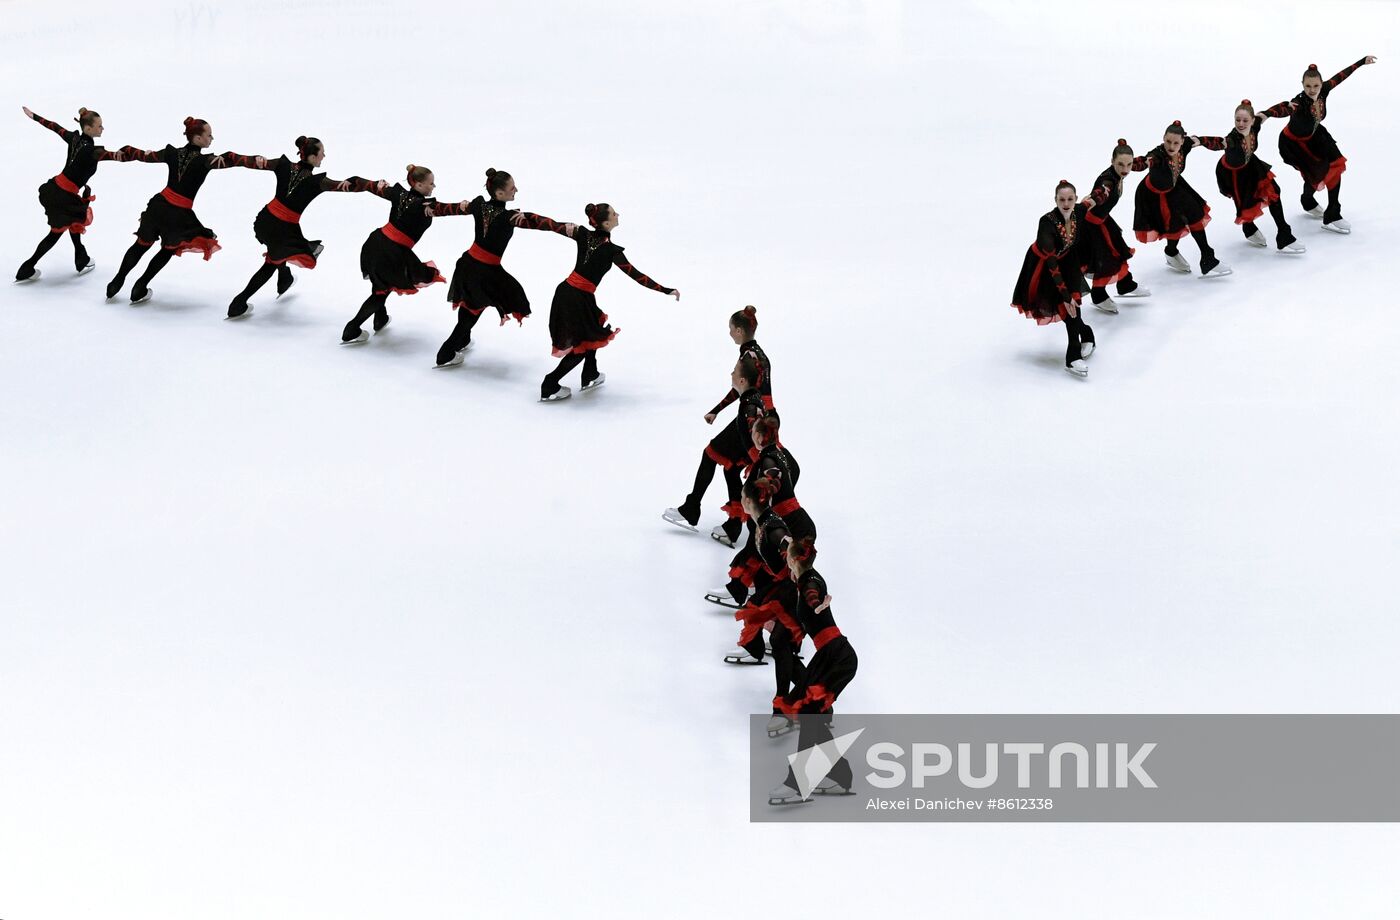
(291, 630)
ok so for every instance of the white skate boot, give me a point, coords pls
(1077, 368)
(1337, 226)
(1257, 239)
(1178, 264)
(674, 516)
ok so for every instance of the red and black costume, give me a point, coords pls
(169, 215)
(278, 225)
(775, 603)
(577, 327)
(1249, 182)
(1167, 207)
(728, 448)
(387, 260)
(66, 197)
(1051, 277)
(479, 281)
(1105, 252)
(832, 668)
(778, 463)
(1307, 146)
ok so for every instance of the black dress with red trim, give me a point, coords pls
(479, 281)
(833, 666)
(1242, 176)
(1106, 252)
(777, 462)
(278, 224)
(169, 215)
(775, 596)
(1051, 274)
(66, 198)
(1166, 206)
(576, 324)
(728, 448)
(387, 259)
(1305, 144)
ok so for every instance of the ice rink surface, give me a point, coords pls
(297, 631)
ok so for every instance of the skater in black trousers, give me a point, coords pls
(66, 196)
(1106, 253)
(726, 448)
(1249, 182)
(831, 670)
(1308, 147)
(1168, 208)
(774, 603)
(278, 224)
(577, 328)
(1048, 288)
(479, 281)
(387, 260)
(169, 215)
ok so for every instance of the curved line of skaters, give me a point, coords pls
(1080, 238)
(578, 328)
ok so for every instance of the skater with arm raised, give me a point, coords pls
(66, 197)
(726, 448)
(1168, 208)
(278, 224)
(1047, 289)
(479, 281)
(387, 260)
(1249, 182)
(1307, 146)
(577, 327)
(169, 215)
(1106, 252)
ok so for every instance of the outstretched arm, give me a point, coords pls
(1141, 163)
(453, 209)
(1209, 142)
(55, 128)
(621, 262)
(1348, 71)
(136, 154)
(1282, 110)
(539, 222)
(353, 184)
(231, 159)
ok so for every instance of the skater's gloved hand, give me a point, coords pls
(676, 294)
(1370, 59)
(27, 113)
(709, 418)
(381, 185)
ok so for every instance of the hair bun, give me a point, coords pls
(1122, 142)
(490, 173)
(1312, 67)
(301, 141)
(190, 120)
(1246, 102)
(82, 110)
(1177, 122)
(750, 310)
(590, 210)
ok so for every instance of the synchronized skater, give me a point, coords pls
(1076, 242)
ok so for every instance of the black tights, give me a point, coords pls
(1078, 332)
(461, 335)
(704, 475)
(50, 240)
(260, 277)
(373, 306)
(1126, 285)
(133, 255)
(1334, 201)
(1208, 259)
(1285, 233)
(589, 360)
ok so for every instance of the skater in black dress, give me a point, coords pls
(577, 328)
(1308, 147)
(1168, 208)
(66, 197)
(831, 670)
(726, 448)
(278, 224)
(1106, 253)
(777, 463)
(1048, 288)
(1249, 182)
(169, 215)
(479, 281)
(387, 260)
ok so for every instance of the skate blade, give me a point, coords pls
(593, 385)
(787, 800)
(564, 393)
(1111, 311)
(725, 601)
(837, 791)
(779, 732)
(1291, 252)
(362, 339)
(455, 362)
(735, 659)
(1332, 229)
(1218, 273)
(1134, 295)
(87, 268)
(721, 538)
(142, 299)
(681, 524)
(244, 315)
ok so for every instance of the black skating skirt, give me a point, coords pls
(66, 211)
(1170, 215)
(1315, 156)
(477, 285)
(284, 241)
(390, 266)
(1108, 251)
(1036, 295)
(178, 229)
(1252, 187)
(576, 325)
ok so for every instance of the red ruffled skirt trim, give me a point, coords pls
(301, 259)
(436, 279)
(591, 345)
(202, 244)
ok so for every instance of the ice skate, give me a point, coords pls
(247, 312)
(1337, 226)
(594, 383)
(720, 536)
(1136, 292)
(1086, 349)
(786, 795)
(457, 358)
(1078, 368)
(1106, 305)
(1315, 211)
(1293, 249)
(141, 295)
(724, 598)
(88, 267)
(113, 289)
(357, 340)
(674, 516)
(282, 290)
(1218, 270)
(1257, 239)
(741, 656)
(34, 277)
(780, 725)
(829, 786)
(380, 327)
(1178, 264)
(561, 393)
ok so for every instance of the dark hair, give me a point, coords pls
(767, 428)
(1121, 149)
(761, 489)
(194, 127)
(748, 369)
(308, 147)
(802, 550)
(496, 180)
(1175, 128)
(86, 117)
(1312, 71)
(417, 173)
(1247, 106)
(597, 213)
(1065, 183)
(745, 319)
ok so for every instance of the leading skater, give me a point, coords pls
(1249, 182)
(1106, 252)
(1048, 288)
(66, 197)
(1168, 208)
(577, 328)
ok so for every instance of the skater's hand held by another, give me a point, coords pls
(342, 186)
(569, 228)
(217, 162)
(1088, 201)
(260, 162)
(709, 418)
(381, 185)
